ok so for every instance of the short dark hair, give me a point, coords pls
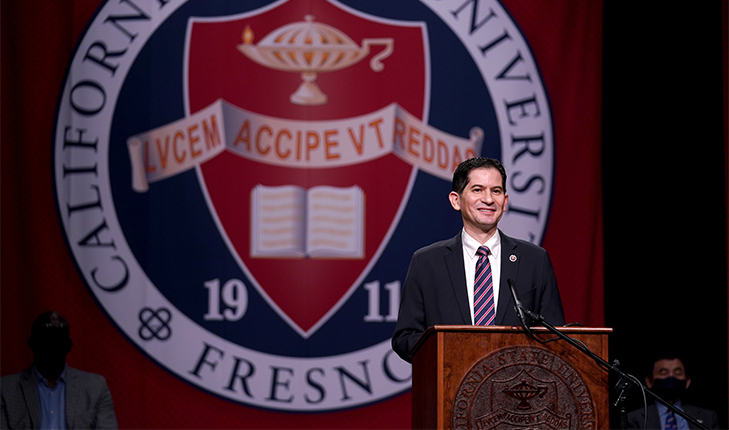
(664, 355)
(460, 176)
(50, 329)
(50, 323)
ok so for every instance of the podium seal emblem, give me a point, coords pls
(523, 387)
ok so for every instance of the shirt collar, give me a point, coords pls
(471, 245)
(663, 409)
(40, 378)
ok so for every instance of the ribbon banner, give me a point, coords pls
(179, 146)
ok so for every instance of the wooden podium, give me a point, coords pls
(470, 377)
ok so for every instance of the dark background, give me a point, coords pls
(664, 185)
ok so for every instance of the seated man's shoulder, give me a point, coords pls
(11, 385)
(636, 419)
(14, 378)
(637, 412)
(707, 417)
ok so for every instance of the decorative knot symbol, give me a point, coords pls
(155, 323)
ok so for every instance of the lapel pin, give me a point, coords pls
(512, 258)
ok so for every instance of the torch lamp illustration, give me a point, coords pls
(310, 47)
(523, 392)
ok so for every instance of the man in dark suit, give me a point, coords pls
(669, 380)
(440, 285)
(51, 394)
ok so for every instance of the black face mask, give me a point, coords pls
(670, 389)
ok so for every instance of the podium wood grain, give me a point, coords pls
(445, 354)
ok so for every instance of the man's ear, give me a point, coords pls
(455, 200)
(648, 382)
(688, 382)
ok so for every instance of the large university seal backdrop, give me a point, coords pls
(242, 184)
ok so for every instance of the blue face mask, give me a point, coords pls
(670, 389)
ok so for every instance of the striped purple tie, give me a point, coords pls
(484, 310)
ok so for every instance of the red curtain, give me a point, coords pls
(38, 274)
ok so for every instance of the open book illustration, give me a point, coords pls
(322, 222)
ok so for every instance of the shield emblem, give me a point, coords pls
(302, 282)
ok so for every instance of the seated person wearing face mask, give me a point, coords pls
(669, 381)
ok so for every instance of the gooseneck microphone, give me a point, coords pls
(517, 304)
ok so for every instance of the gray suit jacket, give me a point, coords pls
(435, 290)
(88, 401)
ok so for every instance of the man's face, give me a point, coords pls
(666, 368)
(482, 203)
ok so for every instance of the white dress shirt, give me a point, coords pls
(470, 246)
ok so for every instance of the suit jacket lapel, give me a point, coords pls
(509, 269)
(653, 420)
(30, 396)
(457, 273)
